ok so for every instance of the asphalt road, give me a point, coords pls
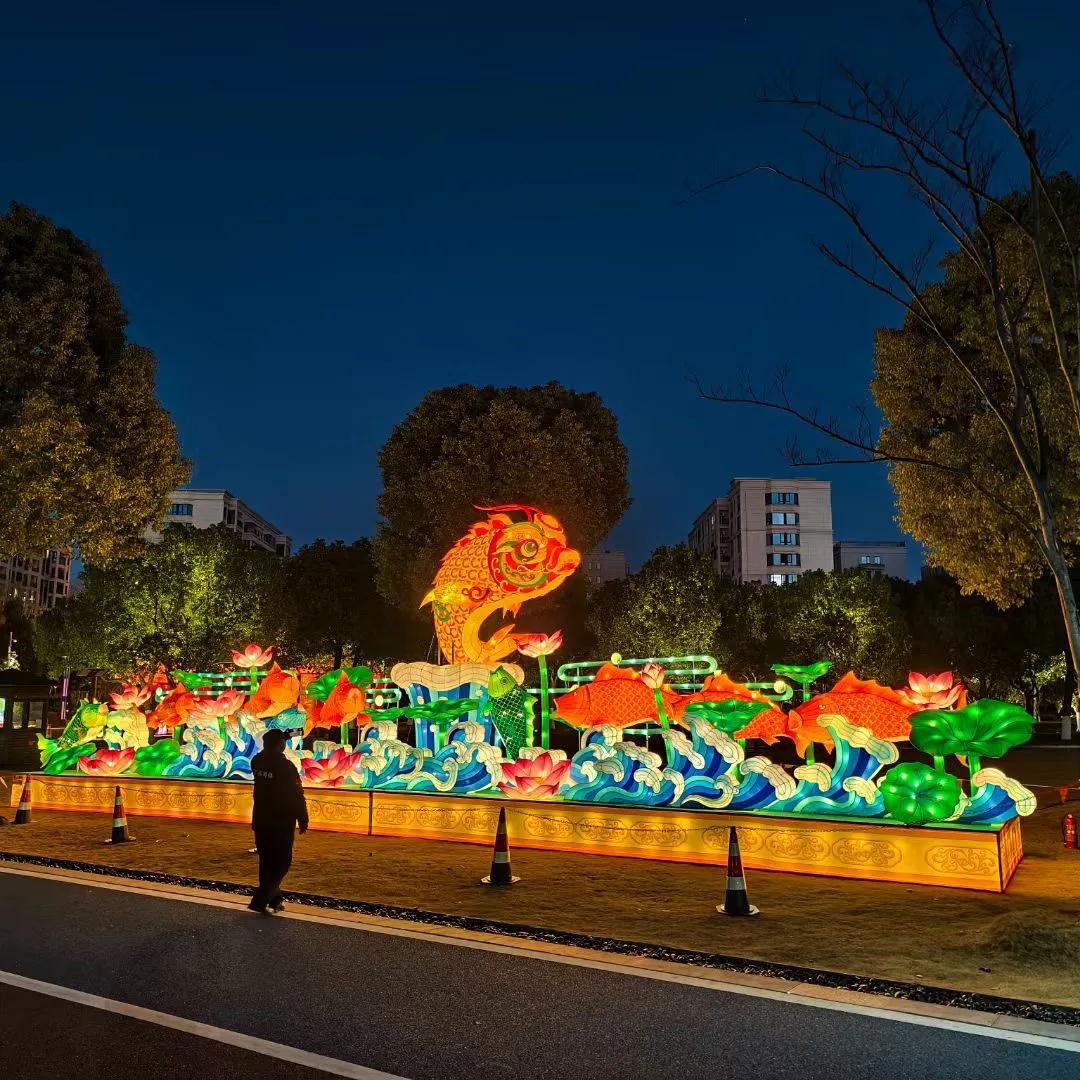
(413, 1008)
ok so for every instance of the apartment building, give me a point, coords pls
(204, 507)
(601, 565)
(769, 531)
(887, 557)
(40, 582)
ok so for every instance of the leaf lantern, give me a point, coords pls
(728, 716)
(803, 673)
(986, 728)
(916, 794)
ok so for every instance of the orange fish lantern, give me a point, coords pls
(278, 691)
(344, 704)
(172, 710)
(313, 713)
(863, 702)
(617, 696)
(498, 565)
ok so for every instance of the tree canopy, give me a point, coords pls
(678, 605)
(331, 607)
(847, 616)
(89, 453)
(933, 410)
(675, 605)
(468, 446)
(185, 602)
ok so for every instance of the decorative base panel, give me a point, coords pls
(953, 856)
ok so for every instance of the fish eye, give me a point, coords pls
(528, 548)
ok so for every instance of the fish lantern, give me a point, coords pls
(498, 565)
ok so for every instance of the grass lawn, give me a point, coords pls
(1023, 944)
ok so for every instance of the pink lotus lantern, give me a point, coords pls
(939, 691)
(210, 708)
(129, 697)
(107, 762)
(254, 656)
(330, 771)
(538, 777)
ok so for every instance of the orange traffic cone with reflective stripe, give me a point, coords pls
(22, 815)
(119, 821)
(736, 902)
(501, 874)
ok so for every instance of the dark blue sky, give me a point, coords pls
(317, 212)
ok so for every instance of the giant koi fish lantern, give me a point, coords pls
(498, 565)
(655, 757)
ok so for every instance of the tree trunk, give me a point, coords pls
(1068, 697)
(1059, 567)
(1029, 700)
(339, 655)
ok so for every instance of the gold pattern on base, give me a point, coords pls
(954, 856)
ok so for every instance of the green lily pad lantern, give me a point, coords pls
(986, 728)
(803, 674)
(916, 794)
(728, 716)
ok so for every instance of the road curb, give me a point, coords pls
(1032, 1017)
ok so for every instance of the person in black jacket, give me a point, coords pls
(279, 806)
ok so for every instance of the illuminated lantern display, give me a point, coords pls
(657, 736)
(498, 565)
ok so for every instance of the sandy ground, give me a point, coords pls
(1023, 944)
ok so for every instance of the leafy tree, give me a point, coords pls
(849, 617)
(16, 628)
(331, 605)
(185, 602)
(675, 605)
(1005, 654)
(980, 387)
(89, 453)
(467, 446)
(978, 524)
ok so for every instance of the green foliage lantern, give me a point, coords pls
(154, 759)
(803, 673)
(728, 716)
(986, 728)
(65, 760)
(916, 794)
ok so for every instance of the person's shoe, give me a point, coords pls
(277, 905)
(259, 909)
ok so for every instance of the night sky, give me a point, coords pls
(317, 212)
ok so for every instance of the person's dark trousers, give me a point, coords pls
(275, 846)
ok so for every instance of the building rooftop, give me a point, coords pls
(874, 543)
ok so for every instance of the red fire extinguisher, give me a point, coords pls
(1068, 831)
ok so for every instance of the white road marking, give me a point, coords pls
(318, 1062)
(723, 982)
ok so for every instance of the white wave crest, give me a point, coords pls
(818, 773)
(784, 785)
(860, 737)
(1025, 800)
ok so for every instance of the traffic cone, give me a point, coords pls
(22, 815)
(501, 874)
(736, 902)
(119, 821)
